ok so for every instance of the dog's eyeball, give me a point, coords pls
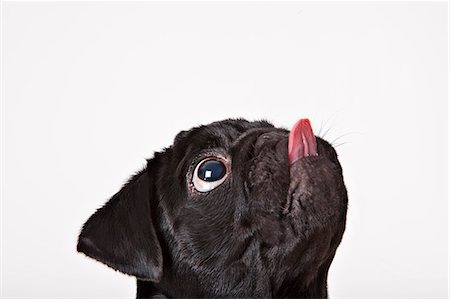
(209, 174)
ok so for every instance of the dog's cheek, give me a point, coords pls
(204, 226)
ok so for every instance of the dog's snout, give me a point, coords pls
(274, 141)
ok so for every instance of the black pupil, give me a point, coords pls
(211, 170)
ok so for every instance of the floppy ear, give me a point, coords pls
(121, 233)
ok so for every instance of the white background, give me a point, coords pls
(92, 89)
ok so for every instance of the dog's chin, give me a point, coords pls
(316, 198)
(298, 191)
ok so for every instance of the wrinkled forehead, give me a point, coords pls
(215, 135)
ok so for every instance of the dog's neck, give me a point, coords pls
(316, 289)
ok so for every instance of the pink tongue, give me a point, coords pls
(302, 141)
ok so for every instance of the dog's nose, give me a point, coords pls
(272, 141)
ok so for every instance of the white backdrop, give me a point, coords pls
(92, 89)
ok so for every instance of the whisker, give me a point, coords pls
(324, 124)
(343, 135)
(323, 136)
(321, 127)
(339, 144)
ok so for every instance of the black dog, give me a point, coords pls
(231, 209)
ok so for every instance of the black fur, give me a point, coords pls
(269, 230)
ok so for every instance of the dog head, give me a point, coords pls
(234, 208)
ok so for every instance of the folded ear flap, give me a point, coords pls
(121, 233)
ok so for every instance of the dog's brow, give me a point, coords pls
(250, 132)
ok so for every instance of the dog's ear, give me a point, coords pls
(121, 233)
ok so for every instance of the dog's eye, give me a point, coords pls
(209, 174)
